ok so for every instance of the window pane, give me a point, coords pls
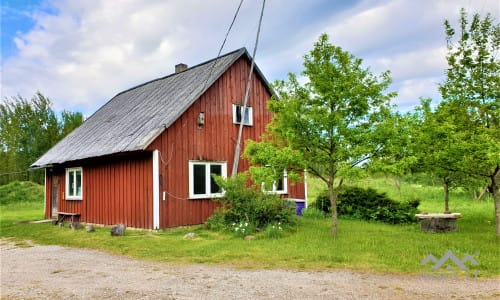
(279, 185)
(71, 183)
(216, 170)
(238, 114)
(199, 179)
(247, 116)
(78, 183)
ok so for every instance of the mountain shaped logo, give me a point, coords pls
(449, 256)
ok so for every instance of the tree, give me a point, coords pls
(331, 124)
(471, 88)
(436, 149)
(398, 157)
(27, 130)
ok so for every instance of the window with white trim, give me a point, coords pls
(201, 182)
(238, 115)
(279, 186)
(74, 183)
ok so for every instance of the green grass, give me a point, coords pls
(363, 246)
(20, 192)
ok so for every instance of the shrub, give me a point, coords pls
(313, 213)
(242, 204)
(368, 204)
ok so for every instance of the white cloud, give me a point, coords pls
(405, 37)
(89, 50)
(411, 90)
(413, 65)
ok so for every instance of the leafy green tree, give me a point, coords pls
(28, 128)
(437, 150)
(471, 88)
(330, 125)
(398, 157)
(68, 122)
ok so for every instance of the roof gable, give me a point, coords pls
(132, 119)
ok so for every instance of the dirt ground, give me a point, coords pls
(33, 272)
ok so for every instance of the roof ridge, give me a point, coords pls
(243, 49)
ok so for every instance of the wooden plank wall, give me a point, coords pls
(214, 141)
(118, 190)
(296, 190)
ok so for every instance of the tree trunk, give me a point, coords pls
(483, 192)
(446, 187)
(397, 182)
(495, 178)
(333, 201)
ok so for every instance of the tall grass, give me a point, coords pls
(364, 246)
(21, 192)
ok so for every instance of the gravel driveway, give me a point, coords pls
(55, 272)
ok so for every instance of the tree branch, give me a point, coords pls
(317, 174)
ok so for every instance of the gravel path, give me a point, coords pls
(55, 272)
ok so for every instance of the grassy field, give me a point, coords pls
(363, 246)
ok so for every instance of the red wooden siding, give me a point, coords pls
(215, 141)
(115, 191)
(119, 192)
(296, 190)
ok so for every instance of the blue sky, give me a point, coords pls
(80, 53)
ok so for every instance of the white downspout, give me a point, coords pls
(156, 191)
(45, 193)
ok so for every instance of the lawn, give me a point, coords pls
(362, 246)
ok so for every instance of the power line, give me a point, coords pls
(223, 43)
(237, 151)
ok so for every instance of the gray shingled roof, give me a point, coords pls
(131, 120)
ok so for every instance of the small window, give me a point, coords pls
(201, 183)
(279, 186)
(74, 184)
(238, 115)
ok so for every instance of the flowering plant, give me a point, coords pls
(242, 228)
(274, 230)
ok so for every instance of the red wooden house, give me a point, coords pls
(144, 159)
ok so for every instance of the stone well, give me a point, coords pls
(438, 223)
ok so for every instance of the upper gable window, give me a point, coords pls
(238, 115)
(74, 184)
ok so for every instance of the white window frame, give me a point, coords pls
(208, 177)
(250, 115)
(274, 189)
(72, 172)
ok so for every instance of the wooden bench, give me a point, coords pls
(61, 216)
(438, 222)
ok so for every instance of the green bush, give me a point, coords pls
(313, 213)
(242, 204)
(368, 204)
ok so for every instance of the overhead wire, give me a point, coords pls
(205, 83)
(222, 45)
(237, 150)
